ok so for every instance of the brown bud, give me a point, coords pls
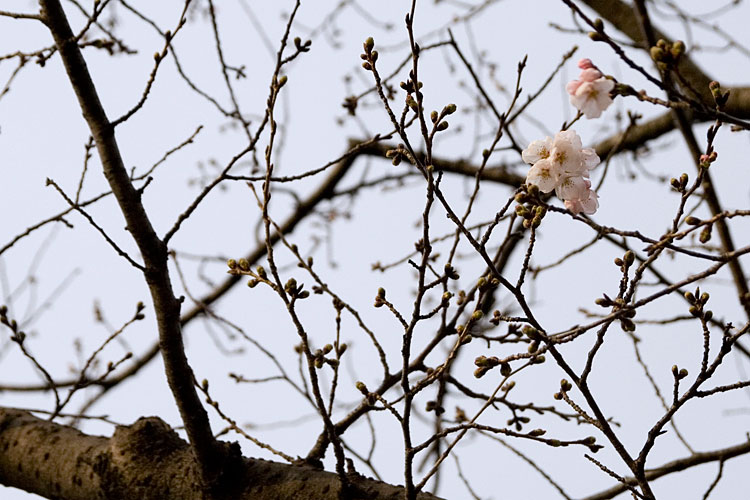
(505, 369)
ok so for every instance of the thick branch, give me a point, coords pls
(495, 174)
(620, 14)
(147, 461)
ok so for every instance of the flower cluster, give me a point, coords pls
(590, 93)
(563, 164)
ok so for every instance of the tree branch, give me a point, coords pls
(676, 466)
(148, 461)
(153, 250)
(621, 16)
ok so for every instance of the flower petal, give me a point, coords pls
(590, 74)
(537, 150)
(544, 175)
(592, 97)
(573, 188)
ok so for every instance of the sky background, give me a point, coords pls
(42, 135)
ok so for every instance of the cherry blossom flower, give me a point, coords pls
(570, 156)
(590, 93)
(562, 164)
(537, 150)
(578, 195)
(544, 175)
(573, 188)
(563, 156)
(589, 158)
(586, 205)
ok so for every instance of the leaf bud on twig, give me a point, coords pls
(369, 44)
(505, 369)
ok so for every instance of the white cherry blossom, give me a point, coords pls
(590, 93)
(544, 174)
(567, 153)
(573, 188)
(587, 205)
(562, 164)
(537, 150)
(589, 158)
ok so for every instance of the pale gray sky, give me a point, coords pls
(43, 135)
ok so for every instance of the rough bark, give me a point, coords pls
(147, 461)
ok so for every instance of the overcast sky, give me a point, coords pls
(42, 135)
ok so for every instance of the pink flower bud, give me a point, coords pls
(590, 74)
(586, 64)
(590, 92)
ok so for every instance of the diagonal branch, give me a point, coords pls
(153, 250)
(620, 14)
(678, 465)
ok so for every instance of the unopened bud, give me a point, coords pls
(657, 54)
(505, 369)
(629, 258)
(684, 180)
(449, 109)
(678, 48)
